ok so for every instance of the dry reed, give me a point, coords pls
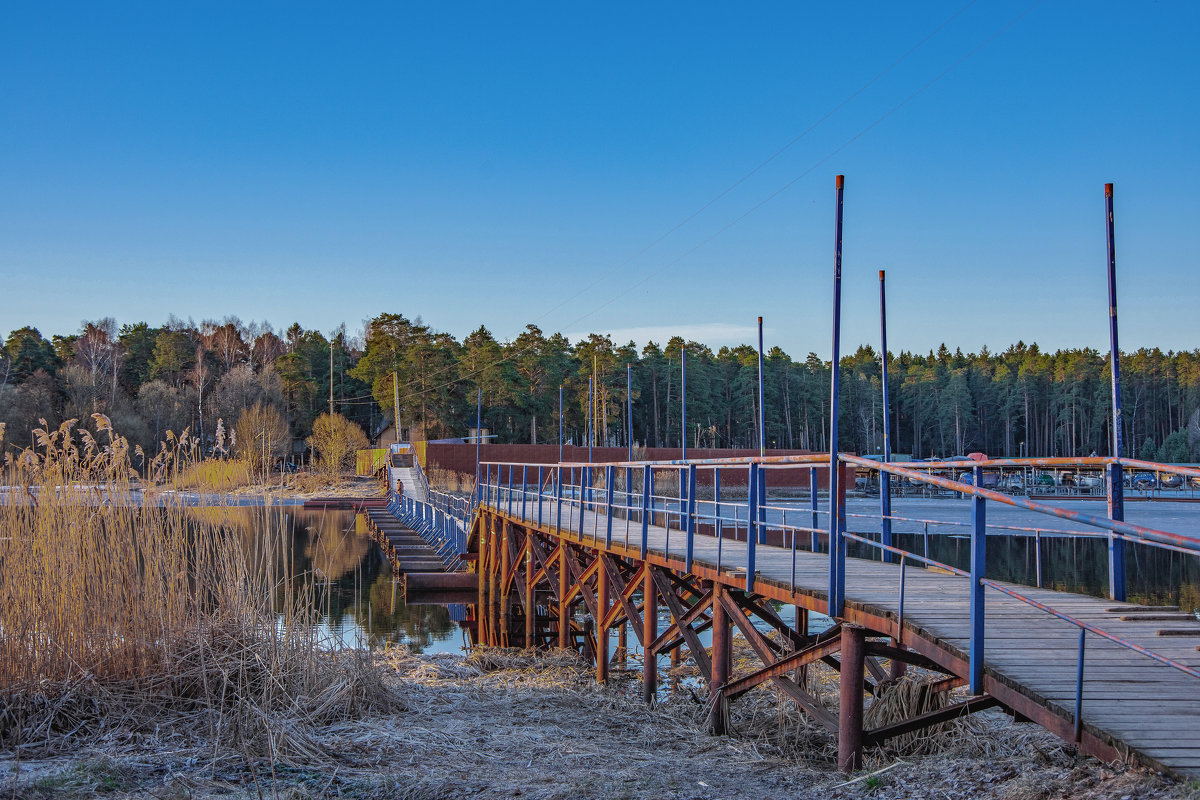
(120, 616)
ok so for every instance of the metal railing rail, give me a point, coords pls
(592, 500)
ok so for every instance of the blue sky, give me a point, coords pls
(507, 163)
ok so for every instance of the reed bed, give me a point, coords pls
(215, 475)
(121, 618)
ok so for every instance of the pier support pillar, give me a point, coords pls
(649, 634)
(601, 631)
(564, 608)
(530, 596)
(719, 712)
(801, 674)
(850, 706)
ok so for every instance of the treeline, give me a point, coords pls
(1021, 401)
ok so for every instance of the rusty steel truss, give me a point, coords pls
(544, 589)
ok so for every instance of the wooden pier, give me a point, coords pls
(566, 584)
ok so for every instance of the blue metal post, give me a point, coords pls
(683, 402)
(558, 487)
(814, 504)
(717, 504)
(539, 479)
(647, 486)
(885, 479)
(629, 435)
(608, 478)
(1116, 478)
(524, 487)
(691, 515)
(751, 525)
(837, 550)
(762, 504)
(762, 414)
(510, 488)
(978, 567)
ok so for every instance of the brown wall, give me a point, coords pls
(461, 458)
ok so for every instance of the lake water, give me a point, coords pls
(352, 582)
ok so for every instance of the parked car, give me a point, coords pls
(966, 477)
(1170, 480)
(1090, 481)
(1144, 481)
(1045, 479)
(1014, 483)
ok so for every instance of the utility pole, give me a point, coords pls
(330, 376)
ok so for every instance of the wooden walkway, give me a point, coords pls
(1131, 703)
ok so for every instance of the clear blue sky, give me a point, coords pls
(502, 163)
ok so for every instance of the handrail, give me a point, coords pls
(1134, 532)
(576, 486)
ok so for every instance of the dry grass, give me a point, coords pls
(449, 480)
(124, 621)
(214, 475)
(504, 723)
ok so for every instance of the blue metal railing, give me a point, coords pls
(596, 499)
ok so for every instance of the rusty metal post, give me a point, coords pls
(500, 578)
(649, 634)
(530, 605)
(564, 608)
(802, 629)
(720, 662)
(493, 588)
(481, 567)
(622, 643)
(850, 706)
(601, 630)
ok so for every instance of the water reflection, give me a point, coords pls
(359, 602)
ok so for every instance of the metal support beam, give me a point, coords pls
(719, 712)
(850, 702)
(649, 634)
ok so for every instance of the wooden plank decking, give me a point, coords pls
(1131, 702)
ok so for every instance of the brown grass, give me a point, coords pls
(119, 616)
(214, 475)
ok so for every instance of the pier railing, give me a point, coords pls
(620, 501)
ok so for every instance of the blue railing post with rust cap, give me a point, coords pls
(691, 515)
(1116, 478)
(837, 565)
(814, 505)
(608, 479)
(885, 479)
(978, 568)
(647, 488)
(751, 525)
